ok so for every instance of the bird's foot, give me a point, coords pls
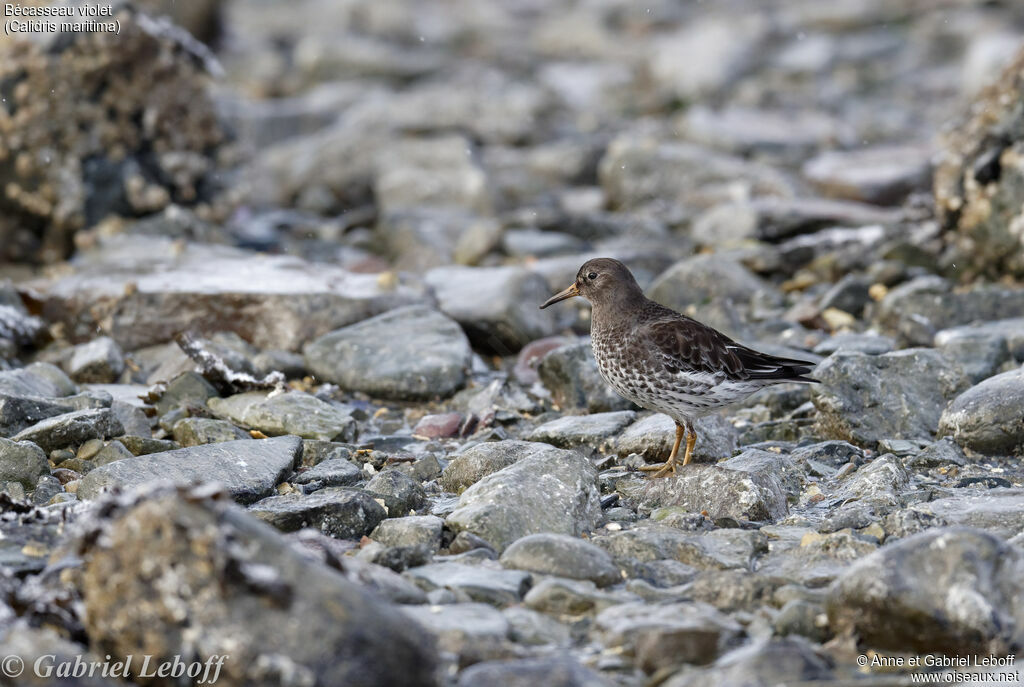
(660, 469)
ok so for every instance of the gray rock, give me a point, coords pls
(572, 598)
(99, 361)
(549, 491)
(734, 590)
(802, 618)
(639, 169)
(19, 412)
(879, 483)
(238, 583)
(476, 462)
(870, 344)
(114, 450)
(195, 431)
(140, 446)
(919, 309)
(698, 280)
(334, 472)
(22, 462)
(555, 671)
(901, 395)
(479, 582)
(277, 302)
(570, 374)
(998, 511)
(71, 429)
(748, 130)
(336, 511)
(400, 492)
(979, 352)
(590, 431)
(652, 437)
(471, 631)
(948, 590)
(412, 530)
(883, 175)
(987, 418)
(496, 306)
(38, 379)
(849, 294)
(536, 629)
(722, 549)
(766, 662)
(428, 171)
(660, 636)
(1011, 330)
(814, 559)
(425, 237)
(719, 491)
(769, 464)
(378, 357)
(561, 555)
(248, 469)
(186, 389)
(294, 413)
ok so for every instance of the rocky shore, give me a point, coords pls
(274, 384)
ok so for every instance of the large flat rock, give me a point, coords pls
(248, 469)
(144, 290)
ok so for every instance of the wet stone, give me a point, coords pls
(294, 413)
(411, 530)
(71, 429)
(195, 431)
(561, 555)
(22, 462)
(99, 361)
(335, 511)
(481, 583)
(400, 492)
(334, 472)
(719, 491)
(588, 431)
(986, 419)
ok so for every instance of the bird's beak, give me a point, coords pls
(573, 290)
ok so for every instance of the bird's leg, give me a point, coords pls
(691, 441)
(670, 464)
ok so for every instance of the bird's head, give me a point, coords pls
(600, 281)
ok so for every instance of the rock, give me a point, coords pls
(400, 492)
(589, 431)
(986, 418)
(849, 294)
(978, 178)
(638, 170)
(77, 178)
(551, 490)
(496, 306)
(734, 590)
(949, 590)
(100, 361)
(879, 483)
(536, 629)
(336, 511)
(722, 549)
(422, 171)
(411, 530)
(49, 651)
(140, 446)
(561, 555)
(880, 175)
(71, 429)
(788, 472)
(476, 462)
(439, 426)
(114, 450)
(869, 344)
(248, 469)
(425, 237)
(572, 598)
(294, 412)
(195, 431)
(864, 398)
(480, 583)
(334, 472)
(729, 44)
(802, 618)
(666, 635)
(920, 308)
(763, 662)
(570, 374)
(704, 278)
(791, 135)
(22, 462)
(473, 632)
(1010, 329)
(719, 491)
(652, 437)
(980, 353)
(551, 672)
(998, 511)
(185, 390)
(38, 379)
(275, 302)
(237, 599)
(378, 357)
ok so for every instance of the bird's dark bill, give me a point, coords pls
(562, 295)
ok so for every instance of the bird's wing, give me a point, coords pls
(688, 345)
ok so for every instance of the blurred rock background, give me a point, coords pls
(330, 223)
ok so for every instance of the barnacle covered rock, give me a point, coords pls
(98, 123)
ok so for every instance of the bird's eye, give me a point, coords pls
(592, 275)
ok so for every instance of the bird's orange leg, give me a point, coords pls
(691, 441)
(670, 464)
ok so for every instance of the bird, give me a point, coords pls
(664, 361)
